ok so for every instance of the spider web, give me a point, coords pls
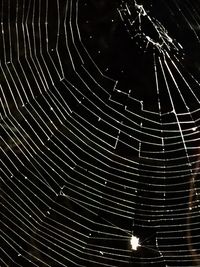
(99, 133)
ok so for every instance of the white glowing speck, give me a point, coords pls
(134, 242)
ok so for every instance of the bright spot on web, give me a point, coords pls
(134, 242)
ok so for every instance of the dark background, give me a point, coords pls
(91, 153)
